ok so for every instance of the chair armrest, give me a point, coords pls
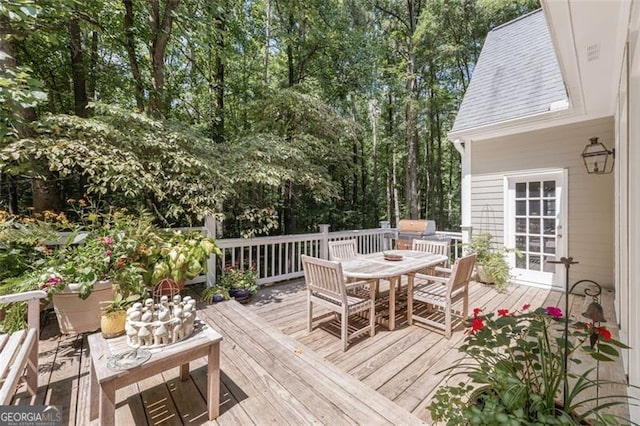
(445, 270)
(21, 297)
(356, 284)
(442, 280)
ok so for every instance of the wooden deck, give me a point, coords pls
(402, 365)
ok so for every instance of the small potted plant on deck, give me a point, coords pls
(236, 283)
(181, 256)
(491, 263)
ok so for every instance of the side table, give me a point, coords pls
(105, 381)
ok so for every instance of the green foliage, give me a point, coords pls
(246, 279)
(181, 256)
(493, 266)
(516, 364)
(119, 303)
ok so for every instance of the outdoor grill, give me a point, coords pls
(409, 229)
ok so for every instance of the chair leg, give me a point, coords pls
(372, 320)
(309, 314)
(465, 304)
(344, 330)
(447, 322)
(32, 371)
(410, 299)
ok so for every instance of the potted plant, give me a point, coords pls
(518, 374)
(491, 263)
(113, 315)
(236, 283)
(181, 256)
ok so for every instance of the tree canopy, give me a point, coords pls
(277, 115)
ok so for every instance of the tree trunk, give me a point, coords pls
(218, 116)
(130, 46)
(411, 185)
(267, 43)
(373, 115)
(161, 25)
(93, 63)
(77, 69)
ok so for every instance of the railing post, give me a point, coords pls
(211, 226)
(324, 241)
(385, 224)
(466, 234)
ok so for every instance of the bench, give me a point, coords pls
(288, 382)
(20, 349)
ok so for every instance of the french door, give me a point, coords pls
(535, 222)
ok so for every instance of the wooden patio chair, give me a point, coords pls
(326, 286)
(343, 250)
(433, 247)
(441, 293)
(19, 350)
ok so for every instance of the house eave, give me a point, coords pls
(524, 124)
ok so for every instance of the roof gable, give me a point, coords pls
(517, 75)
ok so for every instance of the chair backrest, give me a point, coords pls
(343, 250)
(429, 246)
(324, 277)
(460, 274)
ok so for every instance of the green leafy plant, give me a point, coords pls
(516, 365)
(215, 293)
(120, 303)
(235, 278)
(492, 265)
(182, 256)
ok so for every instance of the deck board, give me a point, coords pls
(257, 387)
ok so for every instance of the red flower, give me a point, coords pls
(606, 334)
(477, 324)
(476, 311)
(525, 306)
(554, 311)
(503, 312)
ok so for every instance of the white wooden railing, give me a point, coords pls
(278, 258)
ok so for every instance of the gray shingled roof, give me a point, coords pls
(517, 75)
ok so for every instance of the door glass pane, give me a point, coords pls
(549, 207)
(534, 262)
(549, 226)
(549, 267)
(534, 244)
(534, 189)
(534, 226)
(534, 219)
(549, 188)
(549, 245)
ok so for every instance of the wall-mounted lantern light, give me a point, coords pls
(597, 158)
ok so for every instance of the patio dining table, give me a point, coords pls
(374, 266)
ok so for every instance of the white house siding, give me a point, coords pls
(591, 197)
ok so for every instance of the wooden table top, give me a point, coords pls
(374, 265)
(101, 349)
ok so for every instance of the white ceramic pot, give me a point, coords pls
(80, 316)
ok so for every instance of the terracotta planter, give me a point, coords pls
(80, 316)
(112, 323)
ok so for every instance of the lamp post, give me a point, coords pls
(594, 312)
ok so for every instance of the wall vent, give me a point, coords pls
(593, 52)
